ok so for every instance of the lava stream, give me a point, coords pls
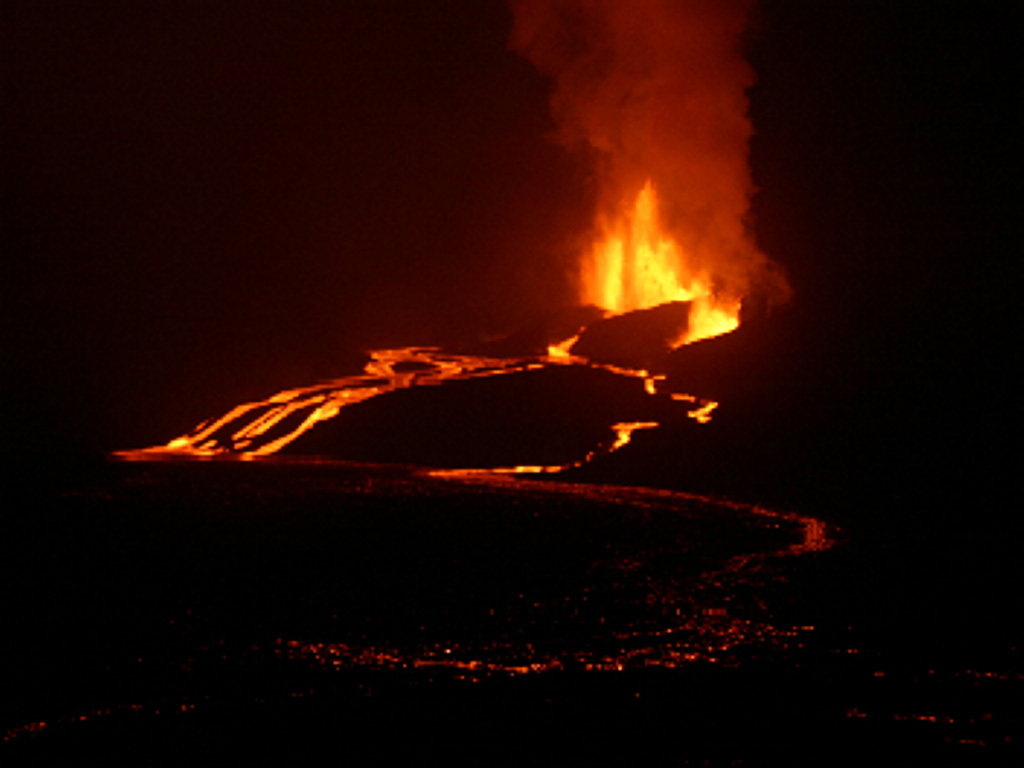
(263, 428)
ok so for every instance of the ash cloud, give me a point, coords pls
(657, 89)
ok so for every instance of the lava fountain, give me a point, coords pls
(653, 92)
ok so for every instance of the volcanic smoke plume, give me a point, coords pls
(654, 91)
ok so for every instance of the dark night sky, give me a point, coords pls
(207, 202)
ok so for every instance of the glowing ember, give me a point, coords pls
(703, 414)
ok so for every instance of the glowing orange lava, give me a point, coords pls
(263, 428)
(655, 91)
(638, 265)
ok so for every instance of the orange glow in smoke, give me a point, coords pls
(653, 93)
(637, 265)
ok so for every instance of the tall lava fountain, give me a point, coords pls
(654, 91)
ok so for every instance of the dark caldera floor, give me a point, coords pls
(300, 609)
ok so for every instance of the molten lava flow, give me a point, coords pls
(560, 351)
(624, 431)
(263, 428)
(637, 265)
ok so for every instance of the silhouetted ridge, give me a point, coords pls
(638, 339)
